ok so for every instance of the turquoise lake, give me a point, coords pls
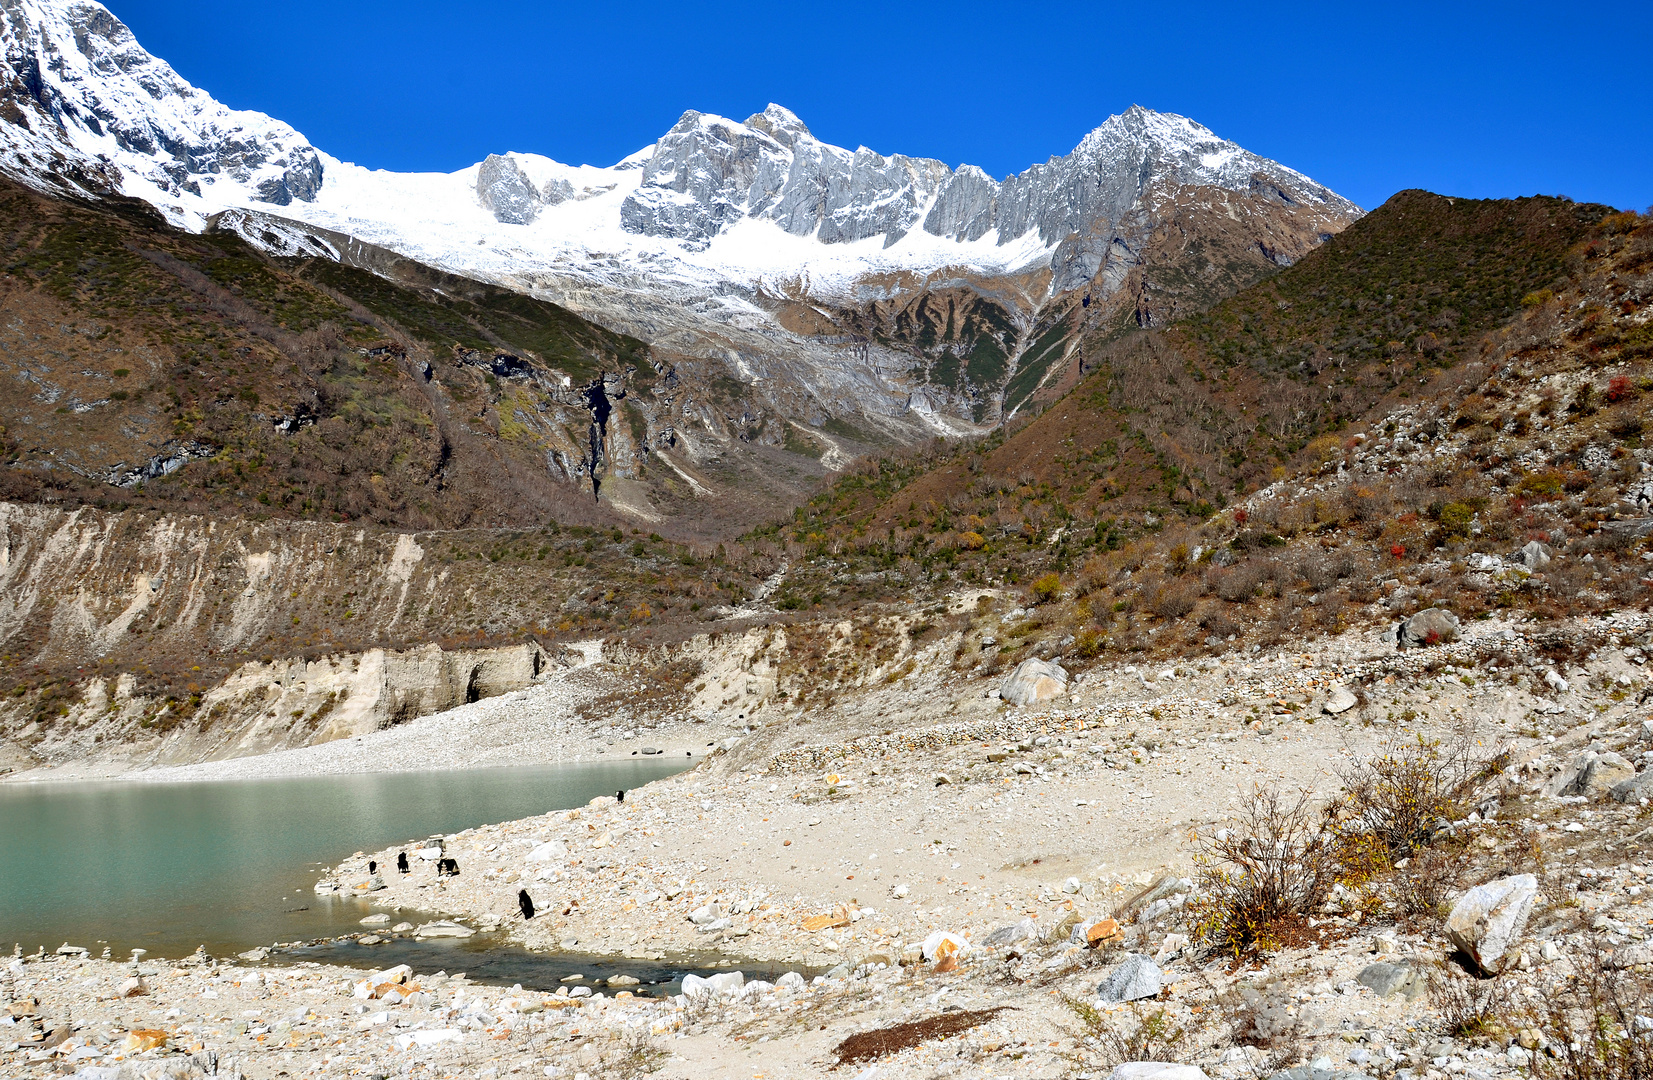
(231, 864)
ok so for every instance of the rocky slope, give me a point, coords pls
(1529, 434)
(137, 638)
(145, 365)
(1175, 421)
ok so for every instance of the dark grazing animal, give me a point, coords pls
(372, 867)
(526, 903)
(402, 861)
(619, 796)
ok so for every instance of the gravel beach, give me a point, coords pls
(907, 871)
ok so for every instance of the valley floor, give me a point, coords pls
(842, 855)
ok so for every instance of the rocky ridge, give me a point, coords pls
(88, 109)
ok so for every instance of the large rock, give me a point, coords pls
(1431, 626)
(1534, 556)
(1034, 681)
(443, 928)
(723, 984)
(1156, 1070)
(1340, 700)
(1635, 788)
(1592, 773)
(1606, 772)
(1387, 980)
(1136, 978)
(1097, 933)
(727, 983)
(1487, 919)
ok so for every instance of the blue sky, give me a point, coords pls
(1469, 99)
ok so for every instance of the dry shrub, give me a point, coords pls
(1174, 599)
(1421, 886)
(1214, 620)
(1594, 1020)
(1239, 582)
(1398, 797)
(1322, 569)
(1260, 878)
(1332, 612)
(1365, 504)
(1045, 589)
(1140, 1035)
(1470, 1008)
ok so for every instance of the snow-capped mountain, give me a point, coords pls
(801, 267)
(83, 102)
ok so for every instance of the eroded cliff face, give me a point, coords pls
(191, 637)
(261, 707)
(134, 640)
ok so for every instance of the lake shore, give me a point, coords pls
(998, 831)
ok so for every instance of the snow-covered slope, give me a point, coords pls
(85, 105)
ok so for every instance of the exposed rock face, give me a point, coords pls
(87, 104)
(506, 191)
(81, 587)
(707, 173)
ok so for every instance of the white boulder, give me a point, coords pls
(1340, 700)
(1487, 919)
(1034, 681)
(550, 851)
(1156, 1070)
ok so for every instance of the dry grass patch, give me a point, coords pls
(882, 1042)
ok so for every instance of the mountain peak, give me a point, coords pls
(93, 105)
(779, 123)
